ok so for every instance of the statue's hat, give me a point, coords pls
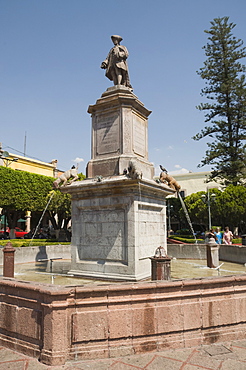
(117, 37)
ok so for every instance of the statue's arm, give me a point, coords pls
(123, 52)
(105, 63)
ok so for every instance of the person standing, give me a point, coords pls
(227, 236)
(219, 236)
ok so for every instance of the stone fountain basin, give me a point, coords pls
(91, 319)
(188, 262)
(180, 269)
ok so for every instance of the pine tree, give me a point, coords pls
(225, 87)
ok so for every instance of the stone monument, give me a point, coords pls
(119, 134)
(119, 211)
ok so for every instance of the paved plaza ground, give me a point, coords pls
(222, 356)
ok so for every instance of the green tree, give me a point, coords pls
(59, 210)
(196, 208)
(227, 209)
(21, 191)
(225, 88)
(232, 205)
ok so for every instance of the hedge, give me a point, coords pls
(35, 242)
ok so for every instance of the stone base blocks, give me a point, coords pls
(117, 225)
(118, 212)
(57, 323)
(119, 133)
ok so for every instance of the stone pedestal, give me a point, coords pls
(118, 218)
(119, 133)
(117, 224)
(213, 255)
(9, 260)
(28, 221)
(160, 268)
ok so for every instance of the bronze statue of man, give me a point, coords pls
(116, 64)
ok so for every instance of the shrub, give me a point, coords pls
(186, 239)
(237, 241)
(16, 243)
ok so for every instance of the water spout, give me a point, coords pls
(47, 205)
(187, 217)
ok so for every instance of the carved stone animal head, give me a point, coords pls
(134, 172)
(170, 181)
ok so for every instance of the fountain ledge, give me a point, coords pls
(130, 318)
(114, 182)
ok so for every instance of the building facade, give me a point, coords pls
(21, 163)
(193, 182)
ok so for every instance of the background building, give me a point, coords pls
(21, 163)
(193, 182)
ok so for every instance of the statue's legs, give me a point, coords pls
(125, 79)
(120, 77)
(114, 76)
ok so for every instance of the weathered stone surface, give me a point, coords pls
(107, 320)
(90, 325)
(119, 133)
(117, 225)
(120, 321)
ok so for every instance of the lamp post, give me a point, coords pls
(207, 199)
(5, 157)
(169, 217)
(8, 161)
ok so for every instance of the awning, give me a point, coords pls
(2, 219)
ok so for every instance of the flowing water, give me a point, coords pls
(187, 216)
(190, 269)
(47, 205)
(180, 269)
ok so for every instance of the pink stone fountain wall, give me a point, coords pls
(58, 323)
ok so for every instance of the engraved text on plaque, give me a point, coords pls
(107, 134)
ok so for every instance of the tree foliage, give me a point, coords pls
(21, 191)
(225, 88)
(227, 209)
(60, 209)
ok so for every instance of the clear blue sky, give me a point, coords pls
(51, 51)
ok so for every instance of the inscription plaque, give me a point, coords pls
(139, 136)
(107, 134)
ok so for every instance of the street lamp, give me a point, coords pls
(207, 199)
(5, 157)
(169, 207)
